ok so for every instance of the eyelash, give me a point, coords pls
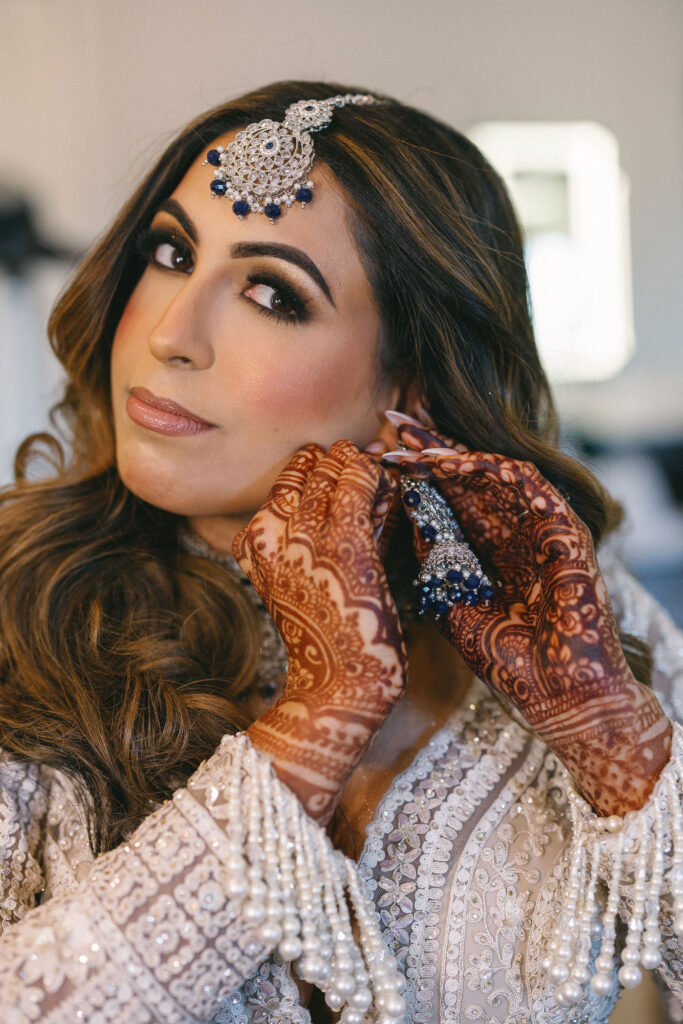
(150, 240)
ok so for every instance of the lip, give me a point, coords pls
(163, 415)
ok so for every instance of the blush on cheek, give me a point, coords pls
(300, 393)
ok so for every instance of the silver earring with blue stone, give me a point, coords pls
(451, 573)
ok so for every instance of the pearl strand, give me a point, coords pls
(601, 982)
(291, 883)
(386, 978)
(630, 974)
(675, 789)
(650, 956)
(254, 908)
(316, 937)
(271, 931)
(290, 946)
(235, 864)
(607, 840)
(569, 991)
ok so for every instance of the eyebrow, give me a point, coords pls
(246, 250)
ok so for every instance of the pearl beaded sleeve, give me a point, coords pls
(169, 924)
(640, 858)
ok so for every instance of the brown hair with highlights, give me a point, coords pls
(123, 658)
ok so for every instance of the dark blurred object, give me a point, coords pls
(20, 240)
(647, 478)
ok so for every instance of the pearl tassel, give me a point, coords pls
(598, 848)
(292, 885)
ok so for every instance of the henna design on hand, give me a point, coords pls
(312, 555)
(548, 642)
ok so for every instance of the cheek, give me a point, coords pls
(308, 391)
(129, 328)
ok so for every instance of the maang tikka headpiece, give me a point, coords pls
(267, 165)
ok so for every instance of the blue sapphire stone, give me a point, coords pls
(485, 592)
(428, 532)
(424, 588)
(424, 602)
(240, 207)
(269, 145)
(472, 582)
(213, 157)
(471, 598)
(272, 210)
(454, 576)
(454, 595)
(303, 195)
(441, 607)
(435, 582)
(411, 499)
(218, 187)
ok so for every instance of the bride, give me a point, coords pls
(243, 777)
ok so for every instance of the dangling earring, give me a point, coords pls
(451, 573)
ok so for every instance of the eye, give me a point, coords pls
(173, 255)
(274, 297)
(165, 250)
(269, 297)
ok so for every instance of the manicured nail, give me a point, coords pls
(402, 456)
(439, 451)
(399, 418)
(375, 447)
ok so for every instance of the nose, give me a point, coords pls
(181, 335)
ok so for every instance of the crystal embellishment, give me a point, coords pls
(451, 573)
(267, 165)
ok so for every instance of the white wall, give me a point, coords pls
(92, 89)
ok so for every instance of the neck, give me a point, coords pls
(218, 531)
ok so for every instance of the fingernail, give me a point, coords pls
(438, 451)
(399, 418)
(402, 456)
(375, 447)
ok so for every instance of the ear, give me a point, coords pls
(412, 403)
(403, 397)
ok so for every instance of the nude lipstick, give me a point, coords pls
(163, 415)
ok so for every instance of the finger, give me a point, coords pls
(384, 440)
(508, 508)
(285, 494)
(283, 498)
(417, 435)
(410, 463)
(360, 481)
(318, 493)
(536, 494)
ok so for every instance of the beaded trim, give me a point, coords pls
(597, 850)
(292, 886)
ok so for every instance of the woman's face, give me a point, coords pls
(268, 333)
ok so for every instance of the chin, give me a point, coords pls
(167, 489)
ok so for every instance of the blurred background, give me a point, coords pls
(577, 104)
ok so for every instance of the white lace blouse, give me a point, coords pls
(466, 862)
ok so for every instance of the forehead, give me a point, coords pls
(321, 228)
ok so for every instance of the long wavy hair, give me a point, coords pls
(123, 658)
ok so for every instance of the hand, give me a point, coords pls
(548, 641)
(311, 553)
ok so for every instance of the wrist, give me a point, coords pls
(616, 747)
(311, 749)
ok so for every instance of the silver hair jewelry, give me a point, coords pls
(267, 165)
(451, 573)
